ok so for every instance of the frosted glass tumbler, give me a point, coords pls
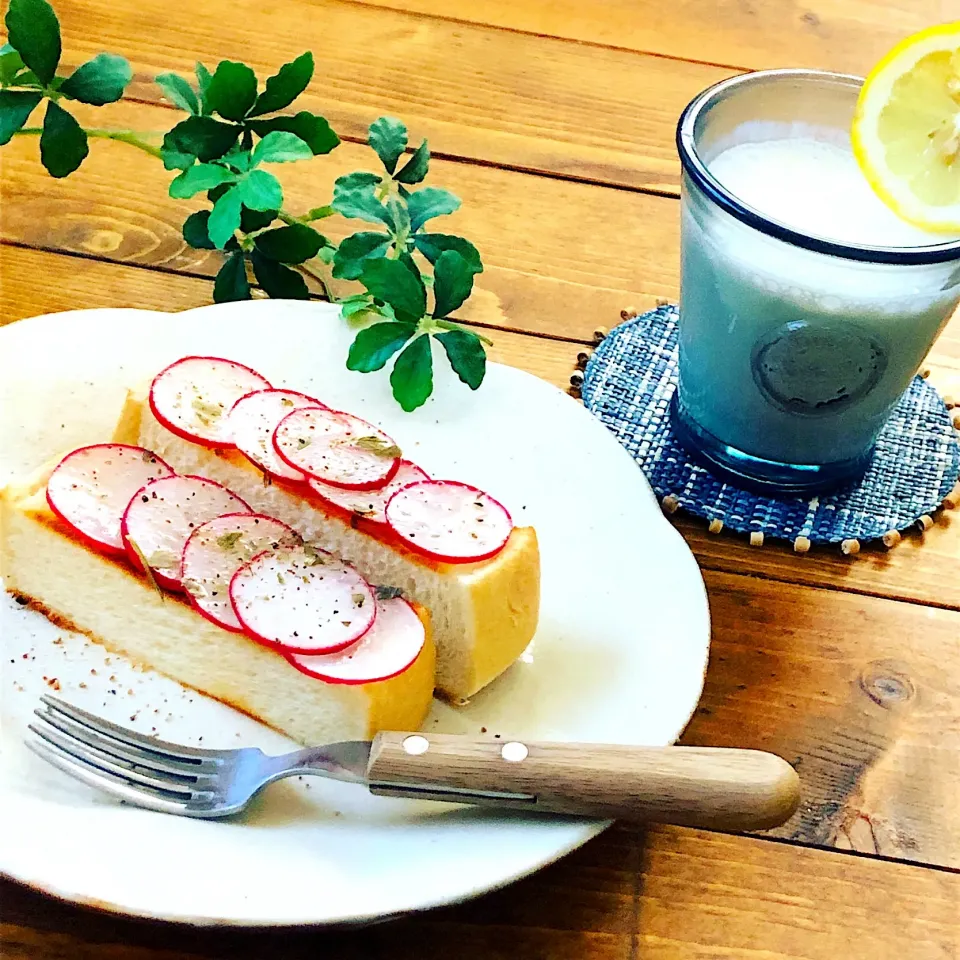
(794, 345)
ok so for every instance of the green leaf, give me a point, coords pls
(179, 92)
(375, 345)
(355, 250)
(260, 190)
(399, 221)
(203, 83)
(428, 203)
(431, 245)
(34, 32)
(197, 138)
(309, 127)
(412, 376)
(280, 147)
(389, 138)
(354, 196)
(231, 283)
(279, 281)
(285, 85)
(225, 217)
(359, 303)
(15, 110)
(466, 355)
(195, 231)
(452, 283)
(415, 169)
(238, 158)
(10, 64)
(296, 243)
(98, 81)
(251, 220)
(232, 90)
(394, 283)
(202, 176)
(63, 143)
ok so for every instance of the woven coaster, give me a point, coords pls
(628, 383)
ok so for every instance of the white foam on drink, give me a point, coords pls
(816, 187)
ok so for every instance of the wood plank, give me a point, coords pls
(703, 896)
(844, 35)
(561, 256)
(72, 283)
(862, 693)
(585, 112)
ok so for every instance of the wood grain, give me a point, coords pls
(560, 258)
(541, 104)
(844, 35)
(73, 283)
(715, 789)
(700, 895)
(861, 693)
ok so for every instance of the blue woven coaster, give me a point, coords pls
(628, 384)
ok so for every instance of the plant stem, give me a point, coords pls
(124, 136)
(451, 325)
(317, 213)
(310, 272)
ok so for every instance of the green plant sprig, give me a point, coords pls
(412, 279)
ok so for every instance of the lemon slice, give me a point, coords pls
(906, 129)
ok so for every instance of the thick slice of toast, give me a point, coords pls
(105, 599)
(483, 615)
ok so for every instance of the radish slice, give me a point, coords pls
(302, 600)
(217, 549)
(370, 504)
(163, 514)
(388, 648)
(90, 488)
(193, 396)
(253, 421)
(337, 448)
(449, 521)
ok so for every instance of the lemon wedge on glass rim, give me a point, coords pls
(906, 129)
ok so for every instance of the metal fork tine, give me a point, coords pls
(161, 748)
(100, 780)
(115, 750)
(107, 763)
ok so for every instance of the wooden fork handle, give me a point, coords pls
(706, 787)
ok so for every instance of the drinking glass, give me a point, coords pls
(794, 348)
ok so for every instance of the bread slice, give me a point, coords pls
(483, 615)
(105, 599)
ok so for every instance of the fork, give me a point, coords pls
(693, 786)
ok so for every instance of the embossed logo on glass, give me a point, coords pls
(817, 369)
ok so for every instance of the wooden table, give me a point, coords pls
(553, 120)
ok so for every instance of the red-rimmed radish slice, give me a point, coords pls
(451, 521)
(388, 648)
(370, 504)
(162, 515)
(217, 549)
(253, 422)
(193, 397)
(91, 486)
(337, 448)
(302, 600)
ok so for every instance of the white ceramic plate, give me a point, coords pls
(619, 656)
